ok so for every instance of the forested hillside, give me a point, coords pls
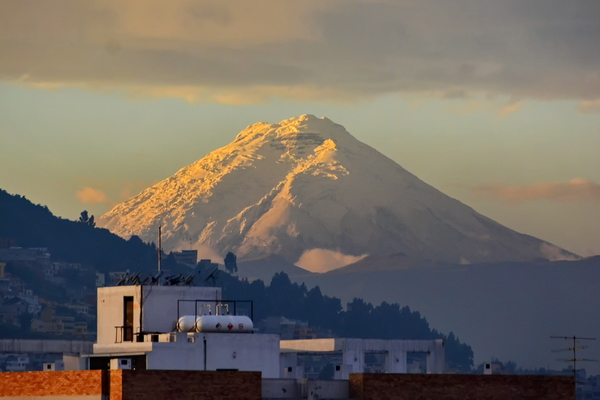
(31, 225)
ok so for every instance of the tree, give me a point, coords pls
(231, 263)
(84, 219)
(25, 322)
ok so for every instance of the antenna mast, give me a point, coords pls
(574, 349)
(159, 247)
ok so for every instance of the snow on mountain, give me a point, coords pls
(306, 184)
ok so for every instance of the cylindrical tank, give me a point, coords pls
(215, 323)
(186, 323)
(224, 323)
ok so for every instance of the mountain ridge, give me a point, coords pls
(503, 309)
(305, 183)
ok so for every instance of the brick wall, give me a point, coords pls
(56, 383)
(463, 387)
(115, 384)
(187, 385)
(134, 385)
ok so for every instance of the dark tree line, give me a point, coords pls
(85, 219)
(359, 320)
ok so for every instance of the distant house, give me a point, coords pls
(22, 305)
(57, 266)
(287, 329)
(81, 329)
(60, 324)
(79, 308)
(100, 279)
(17, 363)
(57, 280)
(75, 293)
(207, 263)
(16, 284)
(63, 326)
(24, 254)
(52, 269)
(5, 287)
(13, 307)
(37, 325)
(187, 257)
(17, 254)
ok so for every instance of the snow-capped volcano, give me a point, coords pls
(305, 183)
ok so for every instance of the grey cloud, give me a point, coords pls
(523, 49)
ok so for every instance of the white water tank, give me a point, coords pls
(187, 323)
(215, 323)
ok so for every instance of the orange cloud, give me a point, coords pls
(510, 108)
(576, 189)
(89, 195)
(590, 106)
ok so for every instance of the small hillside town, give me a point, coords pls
(49, 299)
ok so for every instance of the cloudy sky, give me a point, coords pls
(496, 103)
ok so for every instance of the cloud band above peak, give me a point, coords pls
(222, 51)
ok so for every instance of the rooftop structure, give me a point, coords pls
(353, 353)
(179, 328)
(193, 328)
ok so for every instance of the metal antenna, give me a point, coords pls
(212, 276)
(574, 349)
(159, 247)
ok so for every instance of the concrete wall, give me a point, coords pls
(244, 352)
(281, 389)
(327, 389)
(158, 307)
(353, 352)
(460, 387)
(110, 310)
(241, 351)
(160, 304)
(123, 348)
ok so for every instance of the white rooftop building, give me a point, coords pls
(353, 353)
(193, 328)
(179, 328)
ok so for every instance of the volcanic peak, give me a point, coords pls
(305, 129)
(305, 183)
